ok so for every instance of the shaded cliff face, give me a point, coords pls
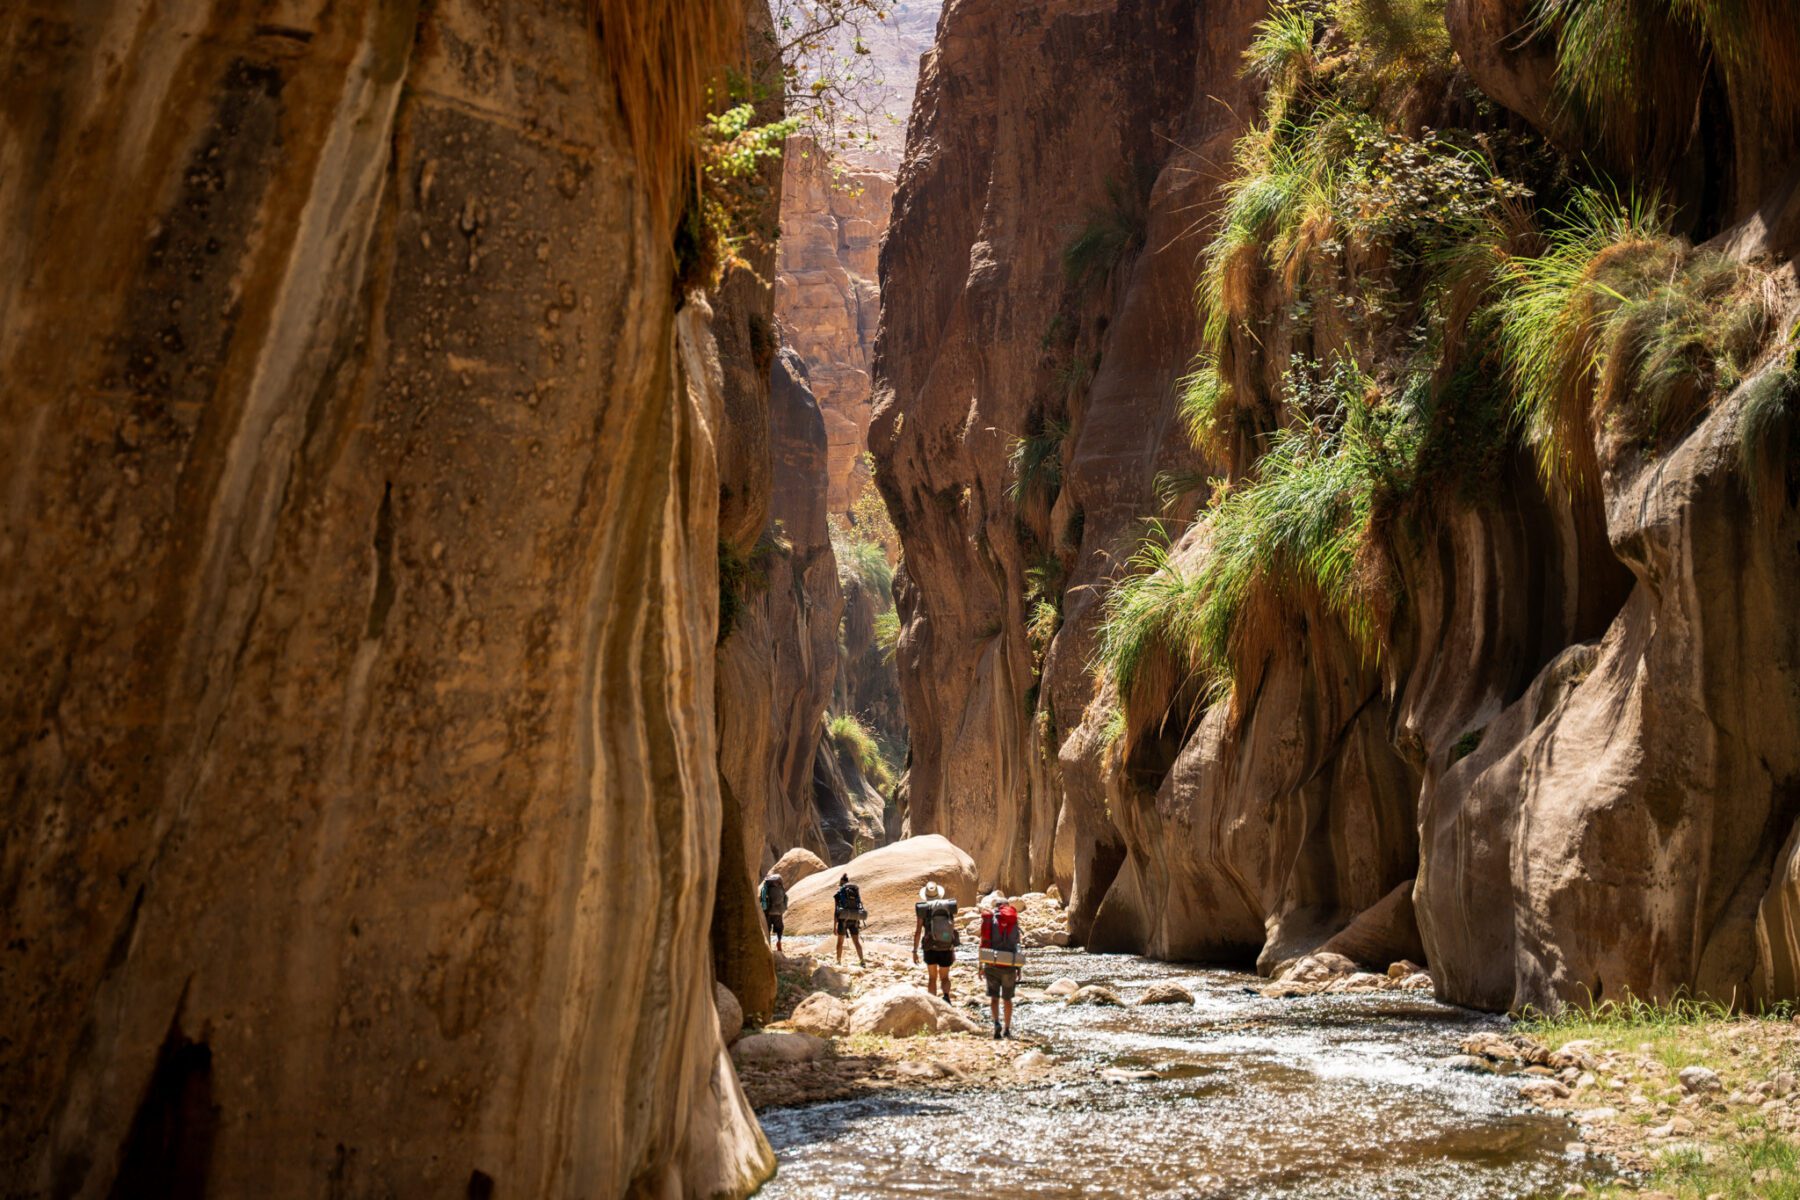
(778, 663)
(361, 543)
(1546, 757)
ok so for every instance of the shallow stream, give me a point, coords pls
(1329, 1096)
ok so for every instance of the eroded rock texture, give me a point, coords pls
(985, 339)
(360, 540)
(777, 665)
(1571, 769)
(827, 299)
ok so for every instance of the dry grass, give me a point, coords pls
(664, 61)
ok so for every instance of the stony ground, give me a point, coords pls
(1690, 1107)
(817, 1058)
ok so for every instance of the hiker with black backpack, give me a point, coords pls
(1000, 958)
(936, 928)
(773, 899)
(850, 915)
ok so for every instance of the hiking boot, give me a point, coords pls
(1009, 1035)
(996, 1033)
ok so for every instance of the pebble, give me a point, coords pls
(1699, 1080)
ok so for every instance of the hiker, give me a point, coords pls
(772, 897)
(1000, 958)
(936, 927)
(850, 917)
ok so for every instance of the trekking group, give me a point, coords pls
(934, 934)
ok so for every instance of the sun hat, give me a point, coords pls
(931, 891)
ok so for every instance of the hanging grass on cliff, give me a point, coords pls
(1620, 327)
(1635, 72)
(1294, 536)
(854, 740)
(1035, 463)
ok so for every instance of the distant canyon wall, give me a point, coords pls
(360, 537)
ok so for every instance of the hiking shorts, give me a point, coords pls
(774, 923)
(940, 958)
(1001, 981)
(849, 928)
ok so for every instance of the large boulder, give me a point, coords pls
(903, 1010)
(797, 864)
(731, 1013)
(778, 1046)
(822, 1015)
(890, 879)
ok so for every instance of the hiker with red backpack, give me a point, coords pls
(1000, 958)
(936, 928)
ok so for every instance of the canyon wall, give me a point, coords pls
(833, 220)
(1562, 764)
(361, 542)
(985, 340)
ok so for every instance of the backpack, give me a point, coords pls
(1006, 928)
(773, 897)
(849, 904)
(1002, 950)
(940, 923)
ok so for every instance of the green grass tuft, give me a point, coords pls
(1036, 463)
(1616, 317)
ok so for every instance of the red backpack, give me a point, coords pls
(1006, 928)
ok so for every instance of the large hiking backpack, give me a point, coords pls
(774, 896)
(1002, 949)
(849, 904)
(940, 923)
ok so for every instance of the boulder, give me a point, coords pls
(899, 1010)
(777, 1046)
(1063, 987)
(797, 864)
(1404, 969)
(889, 879)
(1095, 993)
(829, 978)
(1166, 993)
(1316, 968)
(731, 1013)
(1033, 1060)
(822, 1015)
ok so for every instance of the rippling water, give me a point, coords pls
(1320, 1097)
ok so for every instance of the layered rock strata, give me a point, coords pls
(360, 539)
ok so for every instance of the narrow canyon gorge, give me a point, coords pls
(1303, 491)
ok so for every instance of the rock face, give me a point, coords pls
(777, 663)
(985, 341)
(832, 222)
(889, 879)
(360, 541)
(1573, 765)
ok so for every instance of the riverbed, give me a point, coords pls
(1326, 1096)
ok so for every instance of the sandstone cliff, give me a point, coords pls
(986, 343)
(360, 551)
(827, 300)
(1526, 723)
